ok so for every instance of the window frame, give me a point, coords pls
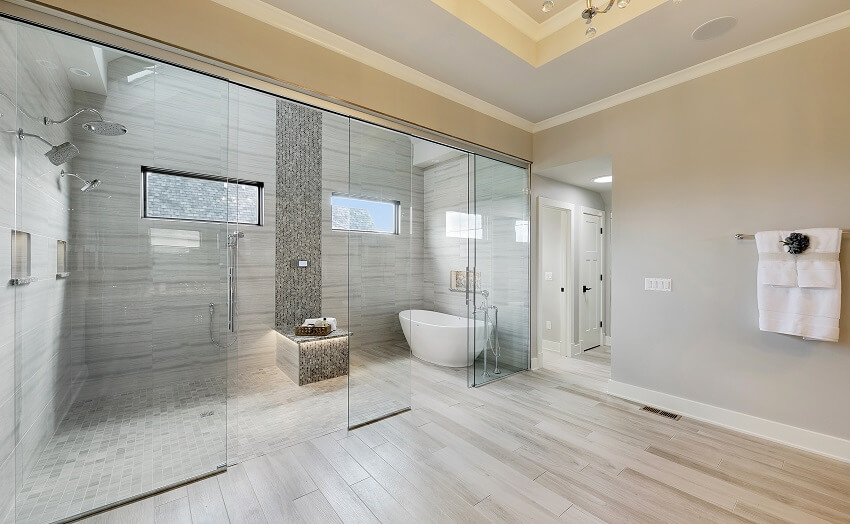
(396, 211)
(201, 176)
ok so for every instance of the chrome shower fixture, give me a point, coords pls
(99, 127)
(57, 155)
(88, 185)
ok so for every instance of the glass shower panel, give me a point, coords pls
(499, 276)
(8, 224)
(376, 213)
(119, 373)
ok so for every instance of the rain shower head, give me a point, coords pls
(88, 185)
(105, 128)
(60, 154)
(57, 155)
(99, 127)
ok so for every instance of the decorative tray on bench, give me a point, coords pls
(313, 331)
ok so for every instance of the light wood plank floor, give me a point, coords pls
(543, 446)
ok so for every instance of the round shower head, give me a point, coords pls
(89, 186)
(105, 128)
(62, 153)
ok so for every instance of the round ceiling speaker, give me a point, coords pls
(715, 28)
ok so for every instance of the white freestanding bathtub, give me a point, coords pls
(440, 338)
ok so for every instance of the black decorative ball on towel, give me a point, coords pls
(796, 243)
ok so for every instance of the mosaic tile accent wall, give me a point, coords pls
(298, 291)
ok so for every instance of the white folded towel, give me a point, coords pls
(811, 311)
(329, 320)
(776, 266)
(818, 265)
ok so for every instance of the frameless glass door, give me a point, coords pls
(121, 218)
(498, 280)
(376, 213)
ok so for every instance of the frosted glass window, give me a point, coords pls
(463, 225)
(364, 215)
(190, 196)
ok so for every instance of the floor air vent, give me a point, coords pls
(661, 412)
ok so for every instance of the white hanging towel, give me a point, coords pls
(810, 307)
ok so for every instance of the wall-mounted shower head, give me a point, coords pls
(88, 185)
(57, 155)
(99, 127)
(60, 154)
(105, 128)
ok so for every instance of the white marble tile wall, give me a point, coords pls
(144, 307)
(445, 190)
(500, 258)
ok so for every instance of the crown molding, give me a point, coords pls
(765, 47)
(515, 16)
(280, 19)
(530, 27)
(560, 20)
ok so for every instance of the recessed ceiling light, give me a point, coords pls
(714, 28)
(79, 72)
(548, 5)
(603, 179)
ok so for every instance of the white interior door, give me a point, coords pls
(590, 277)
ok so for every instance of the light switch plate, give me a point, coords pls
(548, 324)
(547, 275)
(658, 284)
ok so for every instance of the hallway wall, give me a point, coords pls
(548, 188)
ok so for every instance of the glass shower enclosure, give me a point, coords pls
(119, 298)
(162, 232)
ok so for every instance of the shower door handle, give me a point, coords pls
(466, 285)
(231, 301)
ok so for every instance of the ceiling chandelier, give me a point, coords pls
(590, 11)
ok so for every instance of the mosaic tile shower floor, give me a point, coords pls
(112, 448)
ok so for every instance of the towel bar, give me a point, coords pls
(746, 236)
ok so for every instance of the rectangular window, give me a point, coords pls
(366, 215)
(178, 195)
(463, 225)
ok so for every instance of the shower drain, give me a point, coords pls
(207, 414)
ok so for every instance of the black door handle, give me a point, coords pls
(562, 290)
(585, 289)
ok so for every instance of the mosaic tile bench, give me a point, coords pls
(311, 359)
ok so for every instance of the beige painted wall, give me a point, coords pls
(763, 145)
(209, 29)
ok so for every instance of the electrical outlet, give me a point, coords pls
(658, 284)
(547, 275)
(548, 324)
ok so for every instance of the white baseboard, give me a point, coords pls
(575, 349)
(607, 341)
(833, 447)
(535, 363)
(548, 345)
